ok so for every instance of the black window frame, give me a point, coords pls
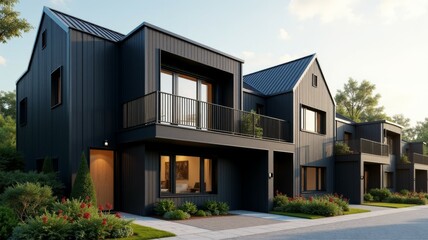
(389, 180)
(321, 115)
(314, 80)
(40, 162)
(172, 177)
(320, 186)
(44, 39)
(56, 88)
(23, 112)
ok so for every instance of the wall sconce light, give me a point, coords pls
(362, 177)
(270, 175)
(105, 143)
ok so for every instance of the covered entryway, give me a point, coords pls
(372, 176)
(421, 180)
(283, 173)
(102, 173)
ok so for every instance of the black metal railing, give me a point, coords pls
(159, 107)
(361, 145)
(420, 158)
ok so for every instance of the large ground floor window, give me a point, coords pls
(181, 174)
(313, 178)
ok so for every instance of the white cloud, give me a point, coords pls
(392, 10)
(59, 2)
(2, 60)
(283, 34)
(326, 10)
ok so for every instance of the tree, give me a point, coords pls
(408, 133)
(10, 23)
(8, 103)
(83, 187)
(359, 103)
(47, 165)
(421, 131)
(7, 132)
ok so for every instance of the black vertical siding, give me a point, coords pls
(347, 180)
(46, 131)
(251, 101)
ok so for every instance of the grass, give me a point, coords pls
(142, 232)
(389, 205)
(311, 216)
(355, 211)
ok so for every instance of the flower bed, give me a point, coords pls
(404, 197)
(168, 210)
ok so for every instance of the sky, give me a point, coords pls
(382, 41)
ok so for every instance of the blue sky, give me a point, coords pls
(383, 41)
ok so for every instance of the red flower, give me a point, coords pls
(44, 219)
(63, 199)
(118, 215)
(109, 206)
(311, 199)
(86, 215)
(104, 222)
(100, 207)
(87, 198)
(331, 199)
(89, 205)
(83, 205)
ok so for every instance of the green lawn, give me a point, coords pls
(310, 216)
(142, 232)
(389, 205)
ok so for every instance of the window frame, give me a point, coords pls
(389, 178)
(314, 80)
(320, 179)
(172, 177)
(23, 113)
(58, 87)
(319, 121)
(44, 39)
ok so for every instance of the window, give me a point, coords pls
(181, 174)
(260, 109)
(44, 39)
(56, 88)
(312, 120)
(23, 112)
(313, 179)
(389, 179)
(314, 80)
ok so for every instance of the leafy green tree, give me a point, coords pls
(408, 133)
(358, 102)
(47, 165)
(83, 187)
(421, 131)
(8, 103)
(7, 132)
(11, 25)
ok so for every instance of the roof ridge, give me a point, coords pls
(298, 59)
(56, 11)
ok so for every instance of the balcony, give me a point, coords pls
(420, 158)
(361, 145)
(173, 110)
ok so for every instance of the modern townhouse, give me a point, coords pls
(412, 174)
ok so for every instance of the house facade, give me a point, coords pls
(160, 116)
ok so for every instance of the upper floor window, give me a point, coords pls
(314, 80)
(260, 109)
(56, 91)
(23, 112)
(313, 178)
(44, 39)
(313, 120)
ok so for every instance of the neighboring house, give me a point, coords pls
(370, 162)
(413, 175)
(297, 92)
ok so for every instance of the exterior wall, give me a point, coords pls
(372, 132)
(46, 132)
(314, 149)
(94, 100)
(281, 106)
(341, 128)
(251, 101)
(347, 179)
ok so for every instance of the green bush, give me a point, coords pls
(380, 194)
(404, 192)
(8, 179)
(294, 206)
(223, 208)
(27, 199)
(189, 208)
(176, 215)
(164, 206)
(368, 197)
(280, 200)
(8, 221)
(325, 205)
(341, 148)
(211, 206)
(83, 186)
(251, 124)
(208, 213)
(200, 213)
(47, 165)
(397, 198)
(404, 159)
(10, 159)
(322, 208)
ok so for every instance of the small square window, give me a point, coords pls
(56, 88)
(314, 80)
(23, 112)
(44, 39)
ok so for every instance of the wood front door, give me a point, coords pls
(102, 173)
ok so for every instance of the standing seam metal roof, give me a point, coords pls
(88, 27)
(278, 79)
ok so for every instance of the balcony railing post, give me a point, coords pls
(254, 124)
(157, 110)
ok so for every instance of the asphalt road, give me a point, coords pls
(404, 225)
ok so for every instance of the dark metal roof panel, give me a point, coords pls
(278, 79)
(87, 27)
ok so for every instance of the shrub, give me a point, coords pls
(223, 208)
(27, 199)
(280, 200)
(200, 213)
(8, 221)
(322, 208)
(368, 197)
(208, 213)
(397, 198)
(47, 165)
(8, 179)
(10, 159)
(164, 206)
(176, 215)
(83, 186)
(404, 192)
(189, 208)
(380, 194)
(404, 159)
(341, 148)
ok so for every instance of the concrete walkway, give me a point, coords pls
(247, 223)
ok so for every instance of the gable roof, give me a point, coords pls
(279, 79)
(87, 27)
